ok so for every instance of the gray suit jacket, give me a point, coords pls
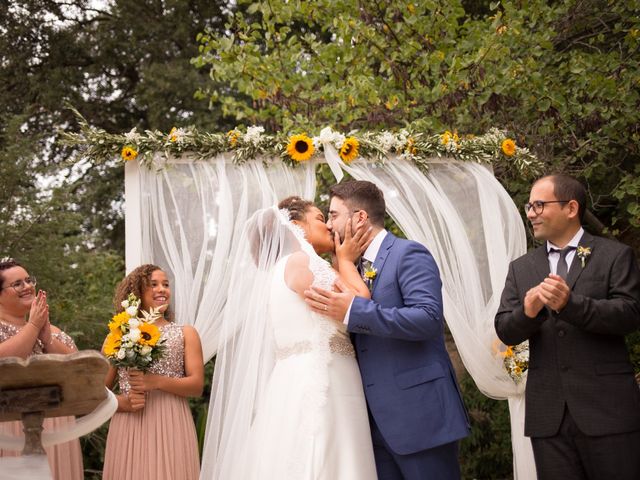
(578, 356)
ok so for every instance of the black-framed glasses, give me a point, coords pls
(538, 205)
(20, 285)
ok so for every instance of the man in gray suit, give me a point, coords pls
(575, 298)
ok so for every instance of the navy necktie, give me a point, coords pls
(563, 267)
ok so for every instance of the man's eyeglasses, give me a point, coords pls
(538, 205)
(333, 215)
(20, 285)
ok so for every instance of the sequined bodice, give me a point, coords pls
(8, 330)
(170, 364)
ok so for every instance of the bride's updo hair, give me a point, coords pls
(296, 206)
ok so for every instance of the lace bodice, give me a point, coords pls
(170, 364)
(8, 330)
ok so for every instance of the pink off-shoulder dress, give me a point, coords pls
(65, 459)
(158, 442)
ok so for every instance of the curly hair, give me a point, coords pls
(136, 282)
(6, 264)
(296, 206)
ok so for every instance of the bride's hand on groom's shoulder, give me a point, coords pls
(354, 243)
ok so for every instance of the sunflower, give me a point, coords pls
(508, 147)
(300, 147)
(149, 334)
(117, 321)
(128, 153)
(112, 343)
(349, 149)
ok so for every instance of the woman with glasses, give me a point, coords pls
(24, 331)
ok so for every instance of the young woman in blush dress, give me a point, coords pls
(24, 331)
(152, 435)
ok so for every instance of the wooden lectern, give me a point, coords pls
(50, 385)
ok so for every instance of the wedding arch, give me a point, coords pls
(189, 193)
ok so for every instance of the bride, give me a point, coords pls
(287, 398)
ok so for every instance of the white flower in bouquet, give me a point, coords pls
(134, 335)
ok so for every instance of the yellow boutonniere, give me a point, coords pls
(583, 253)
(369, 276)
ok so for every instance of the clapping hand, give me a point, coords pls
(554, 292)
(533, 302)
(39, 313)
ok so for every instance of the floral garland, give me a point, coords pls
(252, 143)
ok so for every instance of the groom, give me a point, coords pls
(415, 408)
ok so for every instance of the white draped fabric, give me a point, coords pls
(187, 217)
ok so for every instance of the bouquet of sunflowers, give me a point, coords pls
(516, 360)
(133, 340)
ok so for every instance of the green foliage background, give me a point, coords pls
(562, 77)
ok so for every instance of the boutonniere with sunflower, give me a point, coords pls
(369, 275)
(133, 340)
(583, 253)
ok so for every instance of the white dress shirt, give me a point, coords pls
(369, 254)
(555, 256)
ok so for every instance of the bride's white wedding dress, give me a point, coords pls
(287, 397)
(313, 423)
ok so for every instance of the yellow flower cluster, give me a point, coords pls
(128, 153)
(508, 147)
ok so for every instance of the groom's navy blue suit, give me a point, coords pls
(416, 409)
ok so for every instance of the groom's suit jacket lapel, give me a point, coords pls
(381, 258)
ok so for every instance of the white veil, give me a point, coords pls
(246, 352)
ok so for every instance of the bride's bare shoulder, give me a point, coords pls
(297, 274)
